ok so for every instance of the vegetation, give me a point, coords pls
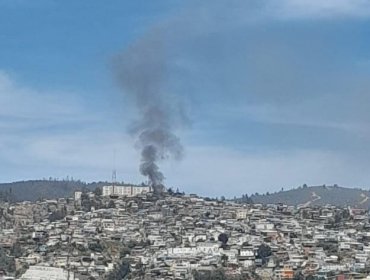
(217, 274)
(244, 199)
(57, 215)
(220, 274)
(264, 251)
(6, 195)
(223, 238)
(120, 272)
(6, 263)
(316, 196)
(39, 189)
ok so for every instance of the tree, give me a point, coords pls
(57, 215)
(247, 199)
(306, 215)
(120, 272)
(7, 263)
(223, 238)
(98, 191)
(264, 251)
(218, 274)
(346, 214)
(96, 247)
(224, 259)
(111, 204)
(298, 276)
(85, 201)
(338, 217)
(124, 251)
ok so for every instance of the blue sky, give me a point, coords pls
(276, 92)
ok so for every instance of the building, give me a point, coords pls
(286, 273)
(129, 190)
(78, 195)
(38, 272)
(241, 214)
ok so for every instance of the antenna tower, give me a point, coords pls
(114, 173)
(114, 179)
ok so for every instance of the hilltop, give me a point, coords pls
(33, 190)
(317, 196)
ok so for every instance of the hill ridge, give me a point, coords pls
(32, 190)
(317, 196)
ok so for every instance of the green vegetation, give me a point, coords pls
(317, 196)
(217, 274)
(39, 189)
(120, 272)
(220, 274)
(264, 251)
(244, 199)
(7, 263)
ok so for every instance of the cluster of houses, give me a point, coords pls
(175, 236)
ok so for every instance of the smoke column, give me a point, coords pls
(141, 71)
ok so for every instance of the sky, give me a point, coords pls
(275, 93)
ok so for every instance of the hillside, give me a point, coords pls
(318, 196)
(36, 189)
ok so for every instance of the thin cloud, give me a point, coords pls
(88, 155)
(26, 108)
(55, 134)
(225, 171)
(304, 9)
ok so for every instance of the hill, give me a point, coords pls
(318, 196)
(35, 189)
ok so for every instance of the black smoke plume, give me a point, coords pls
(142, 73)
